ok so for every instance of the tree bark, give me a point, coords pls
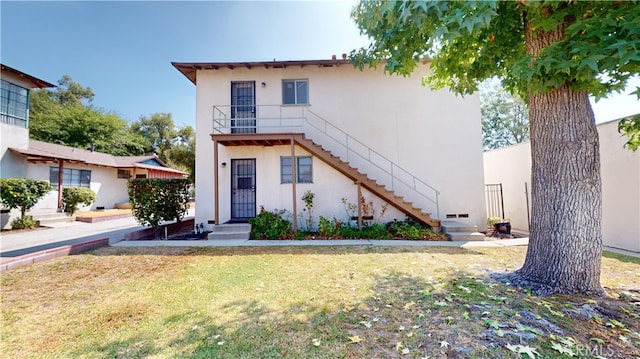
(565, 244)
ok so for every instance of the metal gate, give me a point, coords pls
(494, 199)
(243, 107)
(243, 189)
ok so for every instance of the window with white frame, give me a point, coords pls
(70, 177)
(304, 169)
(295, 92)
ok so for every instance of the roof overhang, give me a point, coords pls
(256, 139)
(35, 82)
(189, 69)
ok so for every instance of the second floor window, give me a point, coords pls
(14, 104)
(295, 92)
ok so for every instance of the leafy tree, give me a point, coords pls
(182, 154)
(554, 54)
(74, 196)
(22, 193)
(158, 130)
(505, 118)
(174, 146)
(61, 116)
(631, 128)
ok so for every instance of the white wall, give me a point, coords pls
(433, 134)
(11, 164)
(329, 186)
(620, 171)
(104, 182)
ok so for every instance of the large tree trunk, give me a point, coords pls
(565, 244)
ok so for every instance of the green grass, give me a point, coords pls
(306, 302)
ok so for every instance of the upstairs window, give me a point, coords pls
(70, 177)
(14, 104)
(295, 92)
(304, 169)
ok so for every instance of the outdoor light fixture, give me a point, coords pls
(223, 164)
(264, 84)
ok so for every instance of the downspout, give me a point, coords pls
(293, 185)
(60, 170)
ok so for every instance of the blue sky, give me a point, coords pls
(123, 50)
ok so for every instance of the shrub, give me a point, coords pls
(307, 197)
(330, 228)
(74, 196)
(154, 200)
(409, 229)
(270, 225)
(22, 223)
(22, 193)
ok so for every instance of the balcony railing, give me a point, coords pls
(279, 119)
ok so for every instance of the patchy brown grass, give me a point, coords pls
(311, 302)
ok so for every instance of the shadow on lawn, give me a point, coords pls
(459, 315)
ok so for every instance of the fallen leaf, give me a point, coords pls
(623, 339)
(405, 351)
(562, 349)
(597, 340)
(221, 342)
(315, 342)
(366, 324)
(355, 339)
(444, 344)
(401, 327)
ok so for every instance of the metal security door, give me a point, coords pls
(243, 107)
(243, 189)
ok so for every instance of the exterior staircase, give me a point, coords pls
(374, 187)
(48, 218)
(230, 231)
(458, 231)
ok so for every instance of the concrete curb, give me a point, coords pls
(8, 263)
(315, 243)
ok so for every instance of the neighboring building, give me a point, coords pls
(21, 157)
(620, 171)
(349, 131)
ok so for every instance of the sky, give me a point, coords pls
(123, 50)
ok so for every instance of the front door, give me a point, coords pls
(243, 189)
(243, 107)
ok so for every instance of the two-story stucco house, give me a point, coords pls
(62, 166)
(267, 132)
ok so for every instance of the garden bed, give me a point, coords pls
(175, 231)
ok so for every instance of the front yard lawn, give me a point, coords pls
(309, 302)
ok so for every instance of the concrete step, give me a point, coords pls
(46, 218)
(455, 226)
(466, 236)
(232, 227)
(230, 231)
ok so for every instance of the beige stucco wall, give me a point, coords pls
(104, 182)
(620, 171)
(511, 166)
(433, 134)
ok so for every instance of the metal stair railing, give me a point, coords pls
(278, 118)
